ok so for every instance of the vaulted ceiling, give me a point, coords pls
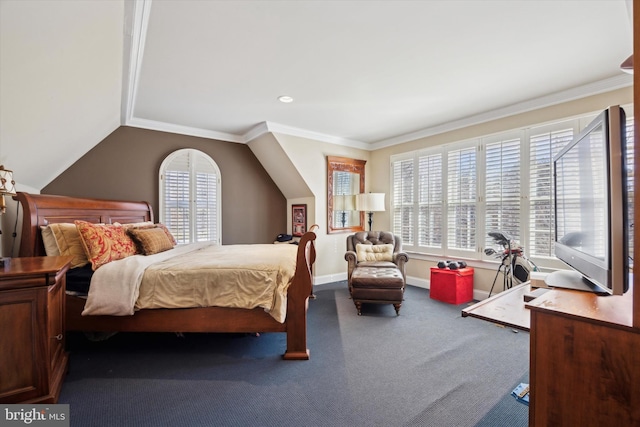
(361, 73)
(371, 72)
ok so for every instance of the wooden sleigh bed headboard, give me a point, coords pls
(43, 209)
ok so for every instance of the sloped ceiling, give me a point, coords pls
(367, 74)
(61, 74)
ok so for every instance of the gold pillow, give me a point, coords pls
(365, 252)
(149, 224)
(150, 240)
(168, 233)
(68, 242)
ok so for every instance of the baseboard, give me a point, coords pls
(329, 278)
(419, 282)
(479, 295)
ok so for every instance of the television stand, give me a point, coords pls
(585, 363)
(570, 279)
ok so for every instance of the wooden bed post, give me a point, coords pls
(298, 300)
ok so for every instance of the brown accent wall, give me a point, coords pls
(125, 166)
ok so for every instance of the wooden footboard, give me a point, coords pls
(41, 210)
(298, 299)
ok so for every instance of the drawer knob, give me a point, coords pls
(59, 337)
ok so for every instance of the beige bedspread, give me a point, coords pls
(199, 275)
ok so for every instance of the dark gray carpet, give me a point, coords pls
(426, 367)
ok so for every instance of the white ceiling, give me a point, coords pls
(366, 74)
(363, 73)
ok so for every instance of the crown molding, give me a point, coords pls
(184, 130)
(255, 132)
(272, 127)
(136, 30)
(602, 86)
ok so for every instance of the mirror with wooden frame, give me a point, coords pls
(345, 179)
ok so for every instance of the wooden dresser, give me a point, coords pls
(585, 360)
(33, 360)
(584, 354)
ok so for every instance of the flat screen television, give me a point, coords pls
(591, 208)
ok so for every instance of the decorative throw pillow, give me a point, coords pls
(104, 243)
(67, 242)
(365, 252)
(149, 224)
(150, 240)
(168, 233)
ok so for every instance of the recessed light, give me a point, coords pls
(286, 99)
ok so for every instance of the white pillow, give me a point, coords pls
(365, 252)
(64, 239)
(49, 240)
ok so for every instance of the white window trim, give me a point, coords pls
(192, 185)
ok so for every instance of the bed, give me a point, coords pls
(41, 210)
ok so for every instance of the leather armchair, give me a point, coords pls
(399, 258)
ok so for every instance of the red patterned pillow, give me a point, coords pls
(104, 243)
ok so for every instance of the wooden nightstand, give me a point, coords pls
(33, 360)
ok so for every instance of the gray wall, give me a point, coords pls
(125, 165)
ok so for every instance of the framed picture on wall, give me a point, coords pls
(299, 219)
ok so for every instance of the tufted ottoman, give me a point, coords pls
(380, 285)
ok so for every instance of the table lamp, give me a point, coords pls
(370, 203)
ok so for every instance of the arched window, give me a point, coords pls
(190, 196)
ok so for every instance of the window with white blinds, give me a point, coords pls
(502, 189)
(430, 201)
(461, 199)
(630, 177)
(190, 195)
(445, 200)
(402, 172)
(542, 149)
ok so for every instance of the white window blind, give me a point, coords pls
(440, 208)
(430, 200)
(630, 177)
(403, 195)
(461, 199)
(543, 147)
(502, 189)
(189, 196)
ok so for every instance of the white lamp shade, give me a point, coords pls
(344, 202)
(370, 202)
